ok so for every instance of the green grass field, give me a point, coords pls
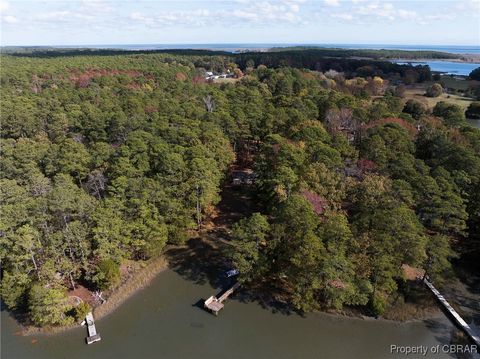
(417, 93)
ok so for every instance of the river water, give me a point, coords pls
(165, 321)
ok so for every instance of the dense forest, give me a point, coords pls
(372, 53)
(108, 158)
(36, 51)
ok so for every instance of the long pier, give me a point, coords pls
(459, 320)
(214, 304)
(93, 336)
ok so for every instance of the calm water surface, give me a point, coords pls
(163, 321)
(474, 123)
(448, 67)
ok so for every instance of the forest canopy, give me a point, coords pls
(111, 158)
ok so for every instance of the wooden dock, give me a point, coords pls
(214, 304)
(93, 336)
(458, 319)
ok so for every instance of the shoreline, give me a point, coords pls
(139, 280)
(400, 313)
(476, 60)
(143, 277)
(435, 314)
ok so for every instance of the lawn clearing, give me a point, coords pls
(418, 93)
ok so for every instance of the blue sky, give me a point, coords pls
(441, 22)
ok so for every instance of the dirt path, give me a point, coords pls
(236, 203)
(205, 257)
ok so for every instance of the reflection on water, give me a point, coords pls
(164, 321)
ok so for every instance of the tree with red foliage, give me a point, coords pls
(318, 203)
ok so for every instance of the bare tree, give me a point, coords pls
(209, 103)
(342, 121)
(96, 183)
(332, 118)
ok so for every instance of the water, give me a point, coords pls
(474, 123)
(448, 67)
(163, 321)
(233, 47)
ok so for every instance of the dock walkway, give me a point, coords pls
(214, 304)
(93, 336)
(466, 328)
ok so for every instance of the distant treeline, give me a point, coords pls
(47, 52)
(316, 60)
(371, 53)
(313, 59)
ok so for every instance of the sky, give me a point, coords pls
(102, 22)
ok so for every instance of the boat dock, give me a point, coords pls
(458, 319)
(214, 304)
(93, 336)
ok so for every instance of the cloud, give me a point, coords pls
(10, 19)
(138, 16)
(4, 5)
(469, 7)
(407, 14)
(347, 17)
(53, 16)
(366, 12)
(437, 17)
(261, 13)
(381, 10)
(82, 16)
(363, 12)
(75, 14)
(198, 17)
(98, 6)
(266, 12)
(294, 7)
(468, 4)
(246, 15)
(331, 2)
(72, 17)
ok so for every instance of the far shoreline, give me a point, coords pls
(474, 60)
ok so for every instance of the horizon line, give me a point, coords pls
(244, 43)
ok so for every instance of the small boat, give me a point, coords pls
(232, 272)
